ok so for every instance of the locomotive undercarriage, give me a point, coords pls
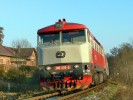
(67, 83)
(73, 78)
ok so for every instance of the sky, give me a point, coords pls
(110, 21)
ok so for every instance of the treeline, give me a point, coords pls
(120, 62)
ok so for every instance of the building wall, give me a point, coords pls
(31, 61)
(5, 60)
(17, 62)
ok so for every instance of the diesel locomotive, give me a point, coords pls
(69, 56)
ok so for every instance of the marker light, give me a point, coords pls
(76, 66)
(48, 68)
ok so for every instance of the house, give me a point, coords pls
(25, 56)
(6, 54)
(30, 55)
(17, 57)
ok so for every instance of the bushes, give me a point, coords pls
(23, 75)
(1, 71)
(25, 78)
(16, 75)
(32, 74)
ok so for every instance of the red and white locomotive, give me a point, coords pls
(69, 56)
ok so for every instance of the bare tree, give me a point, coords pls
(23, 43)
(121, 62)
(1, 35)
(17, 45)
(114, 51)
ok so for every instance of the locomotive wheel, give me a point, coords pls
(101, 77)
(95, 79)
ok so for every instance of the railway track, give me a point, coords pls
(82, 93)
(55, 96)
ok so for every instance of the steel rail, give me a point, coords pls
(43, 96)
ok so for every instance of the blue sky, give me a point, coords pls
(110, 21)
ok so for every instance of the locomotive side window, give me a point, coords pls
(102, 52)
(92, 43)
(88, 36)
(95, 46)
(40, 41)
(99, 49)
(73, 36)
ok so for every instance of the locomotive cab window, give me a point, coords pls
(49, 39)
(76, 36)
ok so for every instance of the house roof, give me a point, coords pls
(26, 52)
(6, 51)
(12, 52)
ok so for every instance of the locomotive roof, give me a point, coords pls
(62, 25)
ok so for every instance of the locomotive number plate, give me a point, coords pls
(64, 67)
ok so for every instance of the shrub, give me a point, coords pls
(2, 73)
(16, 75)
(32, 74)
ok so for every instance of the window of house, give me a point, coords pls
(1, 61)
(33, 63)
(7, 61)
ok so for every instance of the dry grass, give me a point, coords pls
(112, 92)
(124, 92)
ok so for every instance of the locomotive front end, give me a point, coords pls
(64, 57)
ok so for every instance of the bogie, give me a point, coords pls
(101, 77)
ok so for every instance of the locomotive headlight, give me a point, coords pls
(76, 66)
(48, 68)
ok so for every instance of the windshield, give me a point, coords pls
(73, 36)
(49, 39)
(52, 39)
